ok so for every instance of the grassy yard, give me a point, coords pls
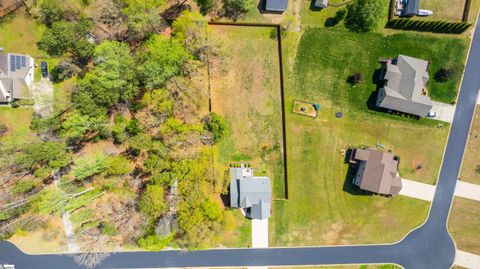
(451, 10)
(19, 33)
(346, 53)
(471, 163)
(245, 89)
(463, 224)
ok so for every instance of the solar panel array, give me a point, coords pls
(17, 62)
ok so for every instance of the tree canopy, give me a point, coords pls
(363, 15)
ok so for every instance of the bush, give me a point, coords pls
(133, 127)
(14, 104)
(85, 167)
(151, 202)
(355, 79)
(205, 5)
(429, 26)
(363, 15)
(64, 70)
(24, 186)
(108, 229)
(118, 165)
(118, 129)
(444, 74)
(43, 172)
(3, 129)
(236, 9)
(216, 125)
(153, 243)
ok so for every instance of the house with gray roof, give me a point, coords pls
(377, 171)
(404, 85)
(276, 6)
(16, 76)
(252, 193)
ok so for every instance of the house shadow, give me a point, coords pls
(372, 99)
(225, 199)
(348, 185)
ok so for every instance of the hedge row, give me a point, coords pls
(429, 26)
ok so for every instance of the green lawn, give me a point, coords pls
(245, 89)
(17, 121)
(19, 33)
(471, 163)
(322, 207)
(464, 223)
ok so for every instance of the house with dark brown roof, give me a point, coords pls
(377, 171)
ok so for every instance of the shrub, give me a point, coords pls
(153, 243)
(235, 9)
(444, 74)
(205, 5)
(118, 165)
(14, 104)
(215, 124)
(85, 167)
(363, 15)
(43, 172)
(133, 127)
(108, 229)
(3, 129)
(24, 186)
(118, 129)
(64, 70)
(151, 202)
(355, 78)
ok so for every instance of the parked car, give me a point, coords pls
(431, 114)
(44, 69)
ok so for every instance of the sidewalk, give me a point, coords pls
(417, 190)
(467, 190)
(467, 260)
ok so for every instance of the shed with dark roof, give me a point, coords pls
(277, 6)
(377, 171)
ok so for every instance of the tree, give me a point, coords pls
(70, 37)
(51, 11)
(151, 202)
(161, 59)
(118, 165)
(153, 243)
(215, 124)
(205, 5)
(363, 15)
(40, 154)
(86, 167)
(143, 16)
(191, 29)
(110, 82)
(64, 70)
(76, 126)
(235, 9)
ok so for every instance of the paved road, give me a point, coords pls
(429, 246)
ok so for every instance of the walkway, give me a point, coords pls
(467, 190)
(444, 111)
(260, 233)
(467, 260)
(417, 190)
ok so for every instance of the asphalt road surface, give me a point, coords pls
(429, 246)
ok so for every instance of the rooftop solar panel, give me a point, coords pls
(12, 63)
(18, 62)
(24, 61)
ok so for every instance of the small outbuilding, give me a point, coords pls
(377, 171)
(254, 194)
(276, 6)
(321, 3)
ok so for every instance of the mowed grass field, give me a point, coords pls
(463, 224)
(471, 160)
(245, 89)
(323, 208)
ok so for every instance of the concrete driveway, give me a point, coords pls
(444, 111)
(43, 97)
(417, 190)
(260, 233)
(467, 190)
